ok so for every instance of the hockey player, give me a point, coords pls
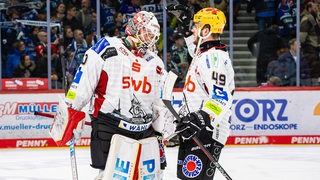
(122, 80)
(208, 93)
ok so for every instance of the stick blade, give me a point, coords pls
(169, 84)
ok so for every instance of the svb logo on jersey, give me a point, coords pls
(192, 166)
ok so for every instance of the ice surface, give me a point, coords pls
(241, 163)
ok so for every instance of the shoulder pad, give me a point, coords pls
(109, 52)
(100, 45)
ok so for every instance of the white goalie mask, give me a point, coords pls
(144, 27)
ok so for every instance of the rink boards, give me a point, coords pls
(260, 116)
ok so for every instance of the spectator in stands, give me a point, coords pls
(70, 68)
(42, 42)
(70, 18)
(114, 32)
(59, 13)
(68, 36)
(14, 59)
(42, 38)
(108, 8)
(34, 34)
(171, 65)
(119, 22)
(56, 66)
(265, 12)
(269, 42)
(286, 19)
(309, 38)
(78, 46)
(129, 8)
(180, 55)
(26, 67)
(285, 67)
(273, 81)
(84, 15)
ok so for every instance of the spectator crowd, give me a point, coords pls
(24, 45)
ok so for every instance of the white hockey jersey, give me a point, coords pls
(209, 83)
(112, 78)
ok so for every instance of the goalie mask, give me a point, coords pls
(144, 27)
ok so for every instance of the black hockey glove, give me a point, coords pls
(184, 15)
(193, 123)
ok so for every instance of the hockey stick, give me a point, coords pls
(167, 90)
(71, 145)
(52, 116)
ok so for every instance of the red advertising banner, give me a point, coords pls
(25, 84)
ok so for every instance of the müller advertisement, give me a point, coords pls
(259, 117)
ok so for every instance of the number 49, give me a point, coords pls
(220, 78)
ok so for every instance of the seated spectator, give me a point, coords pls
(26, 67)
(285, 67)
(14, 59)
(273, 81)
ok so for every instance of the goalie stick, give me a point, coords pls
(52, 116)
(72, 148)
(167, 91)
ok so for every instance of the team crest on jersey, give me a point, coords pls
(219, 93)
(192, 166)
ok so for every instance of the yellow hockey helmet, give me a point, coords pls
(211, 16)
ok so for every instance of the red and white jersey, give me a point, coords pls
(112, 78)
(210, 77)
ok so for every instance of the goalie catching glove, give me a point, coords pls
(193, 123)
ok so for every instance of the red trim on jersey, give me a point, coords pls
(100, 92)
(137, 162)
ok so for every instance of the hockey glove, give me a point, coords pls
(193, 123)
(64, 123)
(184, 15)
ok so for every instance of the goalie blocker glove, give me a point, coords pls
(73, 119)
(183, 13)
(193, 123)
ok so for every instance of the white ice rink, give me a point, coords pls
(241, 163)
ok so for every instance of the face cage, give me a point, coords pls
(146, 42)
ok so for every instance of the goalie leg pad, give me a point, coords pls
(193, 163)
(123, 159)
(150, 159)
